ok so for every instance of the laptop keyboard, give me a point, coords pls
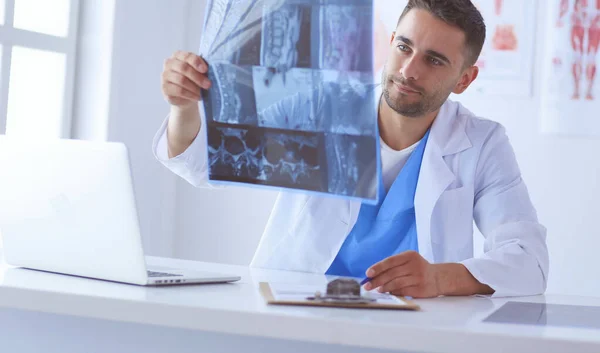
(162, 274)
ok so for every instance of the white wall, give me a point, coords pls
(122, 48)
(146, 33)
(91, 101)
(225, 225)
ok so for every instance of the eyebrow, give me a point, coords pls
(429, 52)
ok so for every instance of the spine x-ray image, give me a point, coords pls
(292, 103)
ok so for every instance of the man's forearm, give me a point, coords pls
(183, 127)
(455, 279)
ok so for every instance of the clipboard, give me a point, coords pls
(265, 291)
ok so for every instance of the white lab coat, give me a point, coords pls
(469, 173)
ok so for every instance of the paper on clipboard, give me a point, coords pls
(296, 294)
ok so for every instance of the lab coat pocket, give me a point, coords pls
(452, 225)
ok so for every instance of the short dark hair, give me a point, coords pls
(460, 13)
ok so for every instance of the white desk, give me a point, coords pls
(55, 313)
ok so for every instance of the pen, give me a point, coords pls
(367, 279)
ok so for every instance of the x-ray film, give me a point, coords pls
(292, 103)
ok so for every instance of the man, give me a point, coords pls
(442, 169)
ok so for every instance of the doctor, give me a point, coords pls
(442, 169)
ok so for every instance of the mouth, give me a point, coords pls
(405, 89)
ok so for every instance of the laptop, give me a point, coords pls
(68, 206)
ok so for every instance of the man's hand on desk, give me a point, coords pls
(409, 274)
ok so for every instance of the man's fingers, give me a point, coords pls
(392, 261)
(397, 284)
(196, 61)
(188, 71)
(387, 276)
(181, 81)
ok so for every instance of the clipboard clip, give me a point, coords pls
(342, 290)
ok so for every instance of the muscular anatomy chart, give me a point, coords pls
(571, 91)
(293, 103)
(584, 28)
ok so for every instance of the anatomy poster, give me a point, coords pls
(506, 61)
(293, 103)
(571, 91)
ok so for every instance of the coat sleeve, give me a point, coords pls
(191, 165)
(515, 260)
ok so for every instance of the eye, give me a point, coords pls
(403, 47)
(435, 61)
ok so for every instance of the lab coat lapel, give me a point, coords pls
(447, 137)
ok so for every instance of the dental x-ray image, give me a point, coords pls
(292, 103)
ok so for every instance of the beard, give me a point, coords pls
(419, 104)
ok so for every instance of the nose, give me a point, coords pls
(411, 68)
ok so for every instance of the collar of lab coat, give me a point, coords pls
(448, 132)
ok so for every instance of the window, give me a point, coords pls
(37, 67)
(38, 42)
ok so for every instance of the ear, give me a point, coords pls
(393, 36)
(468, 76)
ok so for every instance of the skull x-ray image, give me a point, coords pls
(292, 103)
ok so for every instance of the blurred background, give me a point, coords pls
(90, 69)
